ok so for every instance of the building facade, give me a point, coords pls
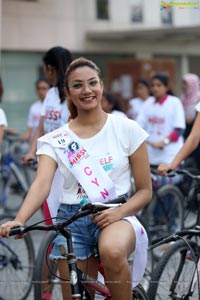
(103, 30)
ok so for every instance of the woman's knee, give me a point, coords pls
(113, 257)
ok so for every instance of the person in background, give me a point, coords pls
(54, 113)
(163, 119)
(42, 87)
(143, 94)
(191, 143)
(189, 97)
(111, 105)
(104, 143)
(3, 124)
(4, 129)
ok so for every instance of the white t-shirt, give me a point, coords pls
(34, 116)
(111, 148)
(159, 120)
(197, 107)
(56, 113)
(3, 120)
(119, 113)
(136, 106)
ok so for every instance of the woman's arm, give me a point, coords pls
(33, 144)
(142, 178)
(189, 146)
(37, 193)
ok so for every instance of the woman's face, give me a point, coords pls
(85, 88)
(158, 89)
(142, 91)
(42, 89)
(50, 74)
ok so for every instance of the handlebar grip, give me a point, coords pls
(16, 230)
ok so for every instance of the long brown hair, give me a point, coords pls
(77, 63)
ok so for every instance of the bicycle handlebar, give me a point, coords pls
(175, 172)
(174, 237)
(86, 209)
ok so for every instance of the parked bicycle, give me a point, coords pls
(17, 262)
(14, 179)
(165, 213)
(82, 286)
(176, 275)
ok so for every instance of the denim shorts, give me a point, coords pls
(84, 233)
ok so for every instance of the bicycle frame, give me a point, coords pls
(77, 275)
(74, 272)
(4, 261)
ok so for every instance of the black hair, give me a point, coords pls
(144, 82)
(165, 80)
(59, 58)
(112, 100)
(162, 77)
(41, 80)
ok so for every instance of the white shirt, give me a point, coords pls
(3, 119)
(119, 113)
(197, 107)
(56, 113)
(110, 147)
(34, 116)
(159, 120)
(136, 106)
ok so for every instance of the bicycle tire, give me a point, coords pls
(139, 293)
(50, 284)
(163, 275)
(17, 274)
(167, 224)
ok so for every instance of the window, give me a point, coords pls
(166, 16)
(102, 9)
(136, 11)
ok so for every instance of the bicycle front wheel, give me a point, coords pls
(46, 283)
(173, 275)
(17, 263)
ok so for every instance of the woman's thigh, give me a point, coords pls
(118, 236)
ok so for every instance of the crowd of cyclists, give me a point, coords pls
(88, 148)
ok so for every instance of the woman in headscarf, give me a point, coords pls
(190, 96)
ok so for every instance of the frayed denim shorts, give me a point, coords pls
(84, 233)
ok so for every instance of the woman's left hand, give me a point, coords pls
(159, 145)
(107, 217)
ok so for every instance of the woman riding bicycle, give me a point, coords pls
(108, 149)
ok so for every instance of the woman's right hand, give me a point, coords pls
(5, 228)
(27, 157)
(164, 168)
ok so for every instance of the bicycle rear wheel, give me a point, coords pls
(17, 263)
(46, 283)
(164, 215)
(139, 293)
(173, 274)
